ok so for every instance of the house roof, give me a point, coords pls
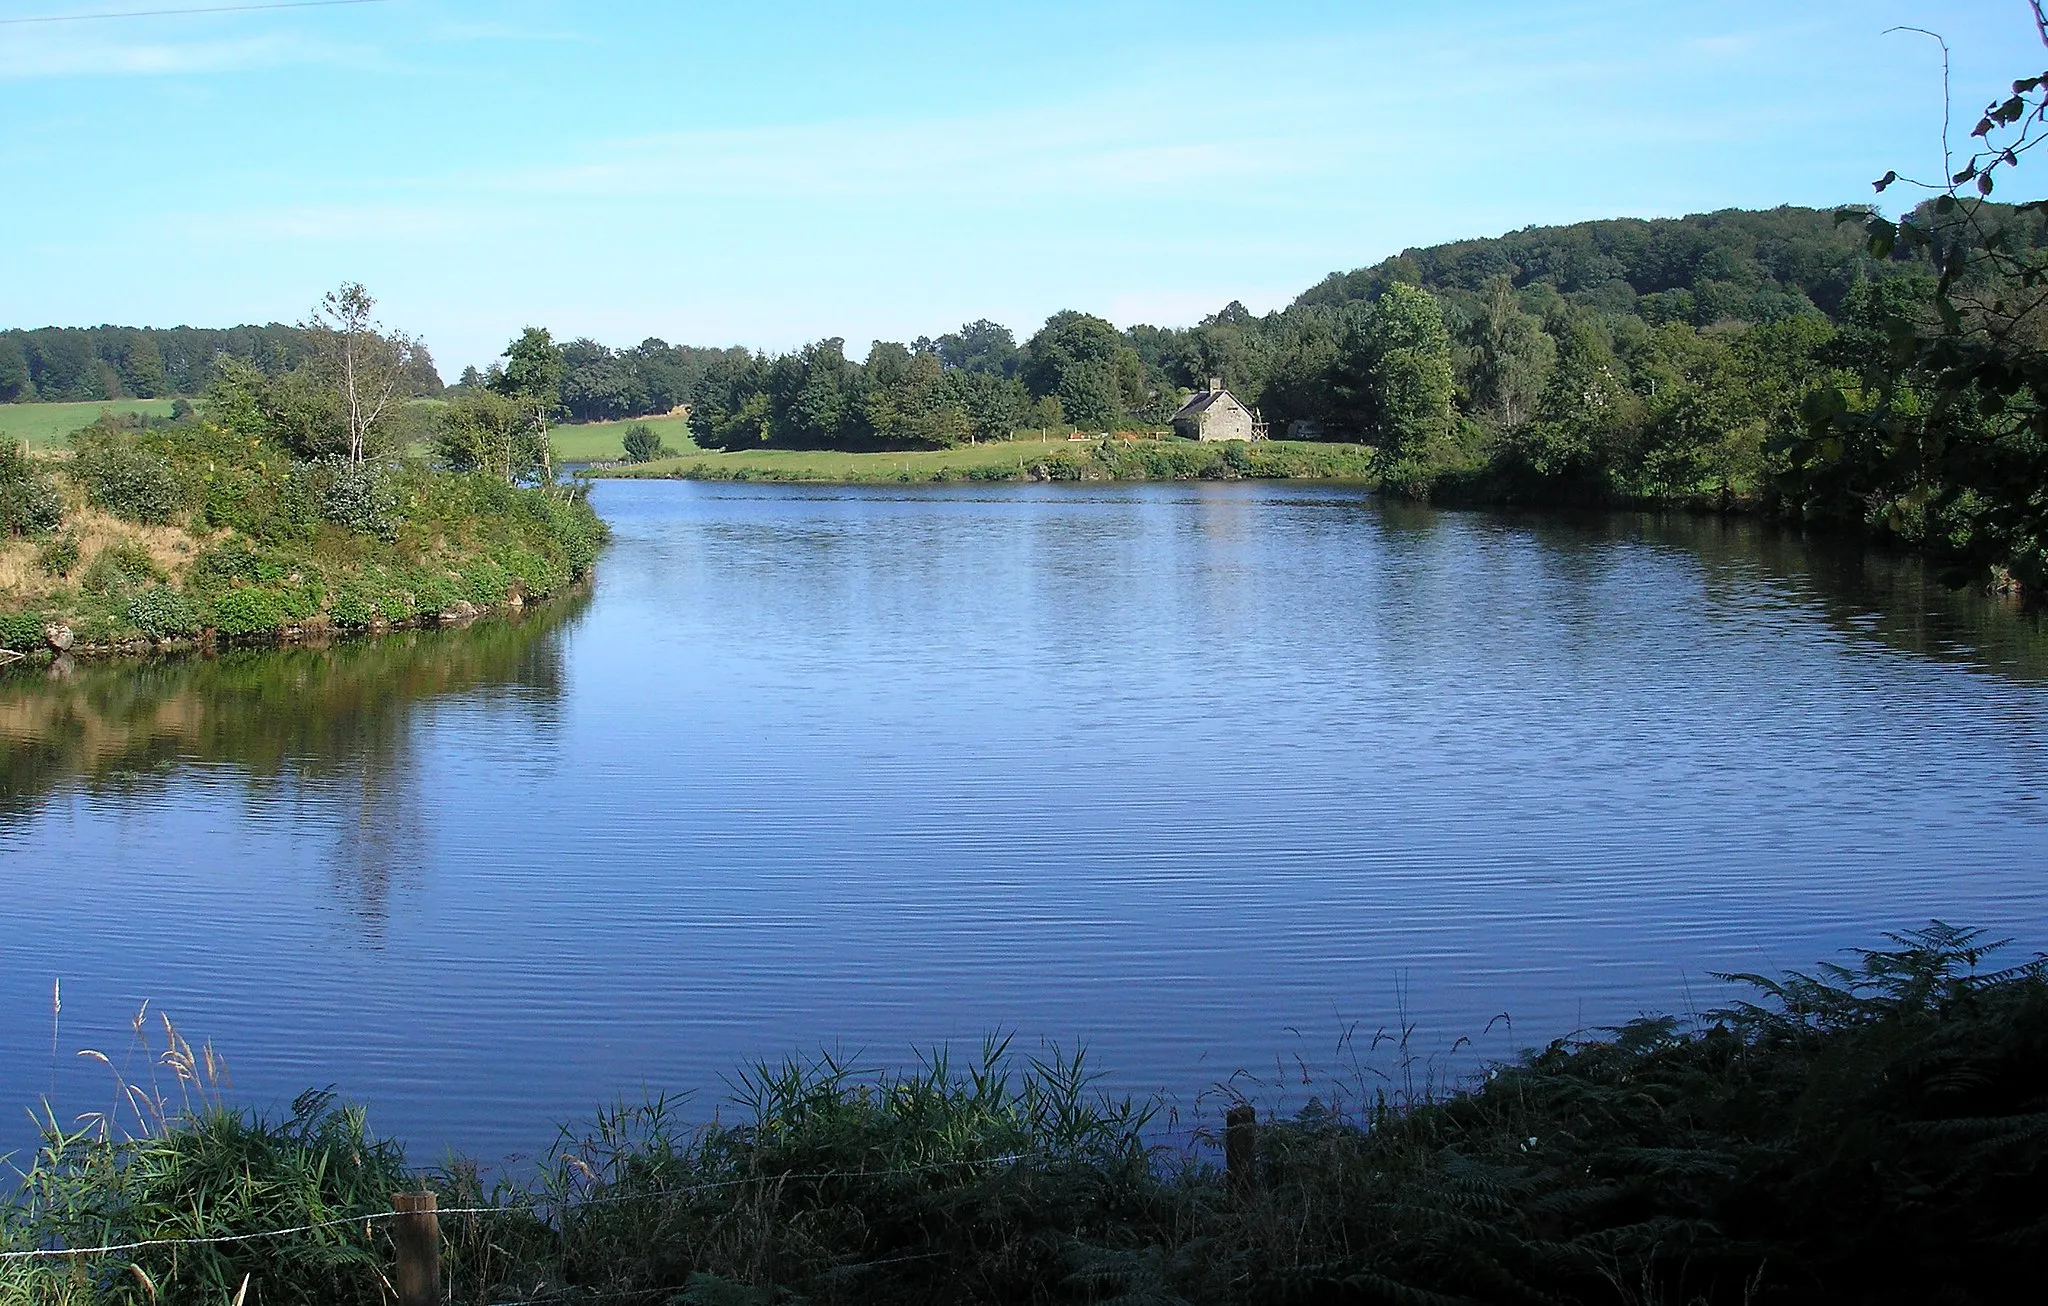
(1200, 402)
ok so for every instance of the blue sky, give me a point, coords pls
(772, 172)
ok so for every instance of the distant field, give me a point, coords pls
(45, 425)
(596, 442)
(1015, 459)
(832, 465)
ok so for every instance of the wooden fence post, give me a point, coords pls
(1241, 1148)
(417, 1231)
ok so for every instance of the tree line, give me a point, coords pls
(1676, 360)
(83, 364)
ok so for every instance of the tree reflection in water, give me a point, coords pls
(334, 721)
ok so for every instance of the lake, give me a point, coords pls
(1218, 780)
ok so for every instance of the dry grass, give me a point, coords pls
(171, 548)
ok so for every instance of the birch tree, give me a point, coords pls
(365, 362)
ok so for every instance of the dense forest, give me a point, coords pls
(81, 364)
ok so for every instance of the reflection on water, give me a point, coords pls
(336, 721)
(1204, 775)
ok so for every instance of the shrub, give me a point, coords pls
(127, 481)
(643, 443)
(29, 504)
(359, 498)
(160, 612)
(120, 568)
(21, 631)
(241, 613)
(433, 593)
(60, 556)
(485, 583)
(228, 565)
(352, 607)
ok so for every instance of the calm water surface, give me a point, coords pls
(1200, 776)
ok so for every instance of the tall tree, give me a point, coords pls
(365, 363)
(533, 375)
(15, 383)
(145, 368)
(1514, 357)
(1086, 364)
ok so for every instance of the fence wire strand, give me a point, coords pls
(563, 1206)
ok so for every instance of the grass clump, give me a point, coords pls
(1873, 1132)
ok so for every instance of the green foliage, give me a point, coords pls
(29, 503)
(21, 631)
(160, 612)
(642, 444)
(482, 431)
(359, 497)
(125, 479)
(1088, 366)
(1874, 1131)
(59, 557)
(59, 364)
(120, 569)
(247, 613)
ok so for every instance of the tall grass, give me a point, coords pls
(1869, 1132)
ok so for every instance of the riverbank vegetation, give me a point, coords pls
(1030, 457)
(281, 506)
(1870, 1132)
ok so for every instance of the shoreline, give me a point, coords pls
(1018, 462)
(313, 633)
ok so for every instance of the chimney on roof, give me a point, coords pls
(1215, 385)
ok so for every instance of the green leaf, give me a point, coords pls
(1945, 204)
(1880, 235)
(1984, 183)
(1884, 181)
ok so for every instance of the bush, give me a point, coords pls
(352, 607)
(60, 556)
(359, 498)
(126, 481)
(21, 631)
(643, 443)
(242, 613)
(29, 504)
(160, 612)
(485, 583)
(120, 568)
(433, 594)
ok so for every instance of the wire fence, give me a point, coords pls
(558, 1205)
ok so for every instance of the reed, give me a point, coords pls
(1875, 1131)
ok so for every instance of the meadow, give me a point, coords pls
(1056, 458)
(594, 442)
(45, 426)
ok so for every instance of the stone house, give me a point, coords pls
(1216, 414)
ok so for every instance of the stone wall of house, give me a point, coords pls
(1226, 419)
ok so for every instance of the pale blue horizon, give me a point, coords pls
(796, 171)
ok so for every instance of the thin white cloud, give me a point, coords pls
(65, 54)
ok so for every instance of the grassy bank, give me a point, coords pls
(150, 534)
(46, 426)
(596, 442)
(1876, 1132)
(1058, 459)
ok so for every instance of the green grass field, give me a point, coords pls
(44, 426)
(596, 442)
(833, 465)
(1005, 459)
